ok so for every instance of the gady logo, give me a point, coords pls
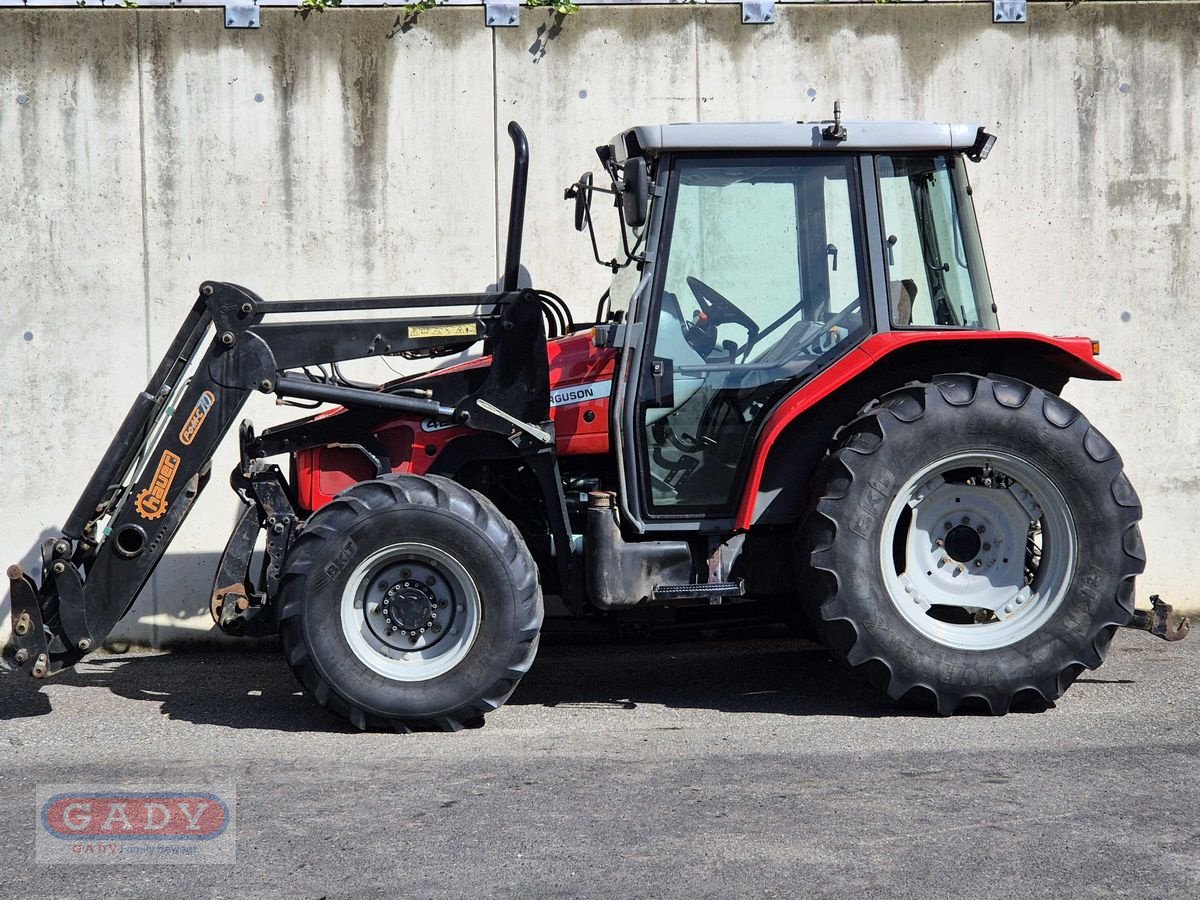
(134, 825)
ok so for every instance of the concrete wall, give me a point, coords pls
(347, 154)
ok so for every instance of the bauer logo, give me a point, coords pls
(152, 502)
(90, 824)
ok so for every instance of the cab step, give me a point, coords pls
(714, 591)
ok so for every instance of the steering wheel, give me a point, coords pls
(715, 309)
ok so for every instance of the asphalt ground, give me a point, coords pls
(684, 767)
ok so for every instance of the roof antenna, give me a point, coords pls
(836, 131)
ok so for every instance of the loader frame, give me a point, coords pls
(160, 458)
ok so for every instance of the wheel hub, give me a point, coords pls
(409, 606)
(963, 543)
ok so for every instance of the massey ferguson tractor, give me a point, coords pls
(795, 394)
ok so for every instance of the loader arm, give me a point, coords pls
(160, 458)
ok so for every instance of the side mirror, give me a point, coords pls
(583, 192)
(635, 194)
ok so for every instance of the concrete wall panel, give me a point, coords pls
(330, 157)
(573, 85)
(72, 299)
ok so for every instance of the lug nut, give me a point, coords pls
(404, 573)
(431, 581)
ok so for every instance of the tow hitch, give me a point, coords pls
(1161, 621)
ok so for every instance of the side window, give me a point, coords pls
(841, 261)
(908, 284)
(935, 269)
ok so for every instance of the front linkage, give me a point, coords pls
(160, 459)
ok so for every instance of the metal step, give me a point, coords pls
(713, 592)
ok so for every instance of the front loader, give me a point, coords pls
(795, 397)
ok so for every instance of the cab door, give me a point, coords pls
(758, 278)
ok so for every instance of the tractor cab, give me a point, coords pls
(758, 255)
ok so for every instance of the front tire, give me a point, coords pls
(973, 538)
(410, 602)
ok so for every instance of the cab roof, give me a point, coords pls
(651, 140)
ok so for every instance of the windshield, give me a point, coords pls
(935, 261)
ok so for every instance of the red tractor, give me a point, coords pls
(795, 394)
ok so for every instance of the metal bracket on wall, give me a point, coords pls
(1009, 11)
(758, 12)
(241, 14)
(502, 15)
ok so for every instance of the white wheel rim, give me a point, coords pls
(410, 612)
(978, 550)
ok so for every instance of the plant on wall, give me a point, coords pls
(307, 7)
(562, 7)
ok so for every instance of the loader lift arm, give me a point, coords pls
(161, 456)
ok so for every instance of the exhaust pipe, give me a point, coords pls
(516, 209)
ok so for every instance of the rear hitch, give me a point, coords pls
(1161, 620)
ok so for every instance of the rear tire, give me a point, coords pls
(410, 602)
(972, 538)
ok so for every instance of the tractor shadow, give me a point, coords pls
(755, 671)
(748, 671)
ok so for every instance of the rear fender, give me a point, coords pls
(795, 436)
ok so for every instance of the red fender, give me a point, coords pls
(1072, 355)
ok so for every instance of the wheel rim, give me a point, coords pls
(978, 550)
(410, 612)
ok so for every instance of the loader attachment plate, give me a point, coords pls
(27, 647)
